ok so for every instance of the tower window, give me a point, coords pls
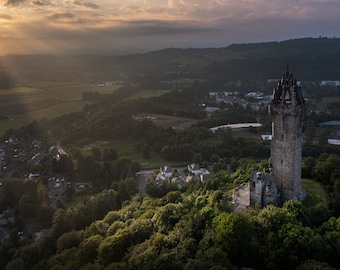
(282, 136)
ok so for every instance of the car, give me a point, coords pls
(243, 184)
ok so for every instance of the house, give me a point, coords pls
(202, 173)
(237, 127)
(40, 234)
(7, 217)
(36, 159)
(194, 168)
(332, 128)
(4, 235)
(32, 176)
(178, 181)
(330, 83)
(266, 137)
(205, 175)
(166, 171)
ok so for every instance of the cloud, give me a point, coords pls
(18, 2)
(86, 4)
(160, 28)
(39, 3)
(61, 16)
(149, 24)
(5, 16)
(14, 2)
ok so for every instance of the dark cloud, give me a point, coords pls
(60, 16)
(14, 2)
(156, 27)
(18, 2)
(86, 4)
(38, 3)
(5, 16)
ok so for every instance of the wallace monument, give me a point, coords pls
(283, 181)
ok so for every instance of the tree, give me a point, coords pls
(110, 155)
(16, 264)
(45, 214)
(308, 164)
(291, 245)
(88, 169)
(314, 265)
(88, 249)
(323, 138)
(145, 150)
(69, 240)
(309, 135)
(123, 193)
(96, 152)
(197, 158)
(234, 232)
(330, 232)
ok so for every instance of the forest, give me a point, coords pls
(312, 58)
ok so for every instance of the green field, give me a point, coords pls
(148, 94)
(126, 148)
(326, 100)
(316, 194)
(24, 104)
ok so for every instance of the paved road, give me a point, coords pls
(142, 178)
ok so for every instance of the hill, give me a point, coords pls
(311, 58)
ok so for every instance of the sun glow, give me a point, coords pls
(94, 26)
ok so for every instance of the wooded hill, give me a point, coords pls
(311, 58)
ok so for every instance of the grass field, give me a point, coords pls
(316, 194)
(246, 134)
(148, 94)
(126, 148)
(22, 105)
(327, 100)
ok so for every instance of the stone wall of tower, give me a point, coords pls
(286, 149)
(262, 189)
(286, 108)
(283, 182)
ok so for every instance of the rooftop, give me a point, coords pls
(330, 123)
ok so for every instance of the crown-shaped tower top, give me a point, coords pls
(287, 91)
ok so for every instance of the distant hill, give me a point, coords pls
(309, 59)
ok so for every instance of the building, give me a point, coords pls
(283, 181)
(331, 127)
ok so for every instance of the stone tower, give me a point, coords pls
(286, 108)
(283, 181)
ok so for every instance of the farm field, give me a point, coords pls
(327, 100)
(167, 121)
(126, 148)
(21, 105)
(148, 94)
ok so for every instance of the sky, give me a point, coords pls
(132, 26)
